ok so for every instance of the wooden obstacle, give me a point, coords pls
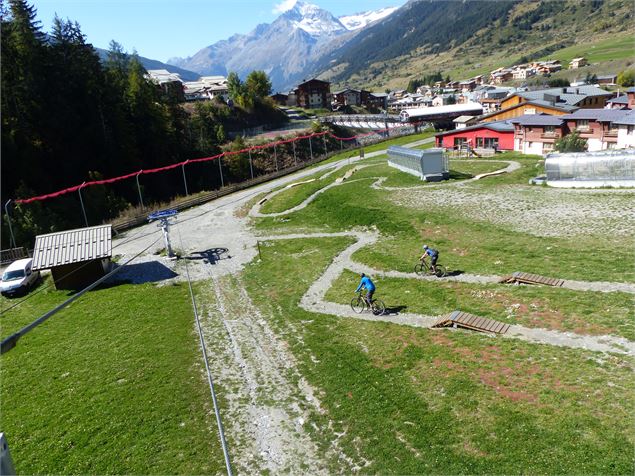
(470, 321)
(528, 278)
(348, 174)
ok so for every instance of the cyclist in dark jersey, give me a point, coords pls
(433, 254)
(369, 286)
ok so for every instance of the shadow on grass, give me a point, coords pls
(456, 272)
(211, 256)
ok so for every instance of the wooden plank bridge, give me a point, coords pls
(528, 278)
(470, 321)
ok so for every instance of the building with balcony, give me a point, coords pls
(599, 127)
(537, 133)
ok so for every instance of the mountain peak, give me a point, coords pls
(312, 19)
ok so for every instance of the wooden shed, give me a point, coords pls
(77, 257)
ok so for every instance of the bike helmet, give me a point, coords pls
(363, 275)
(425, 247)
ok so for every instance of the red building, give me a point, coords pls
(497, 135)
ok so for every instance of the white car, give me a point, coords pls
(18, 278)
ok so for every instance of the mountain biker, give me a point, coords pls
(369, 286)
(434, 255)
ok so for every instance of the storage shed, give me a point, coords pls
(430, 165)
(77, 257)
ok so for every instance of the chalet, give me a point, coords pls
(630, 92)
(313, 93)
(626, 131)
(462, 122)
(468, 85)
(619, 102)
(528, 107)
(451, 85)
(347, 97)
(76, 258)
(537, 133)
(207, 87)
(523, 72)
(443, 100)
(503, 76)
(280, 98)
(170, 83)
(576, 63)
(598, 126)
(609, 79)
(492, 135)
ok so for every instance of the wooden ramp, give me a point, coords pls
(528, 278)
(470, 321)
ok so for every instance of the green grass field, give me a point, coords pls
(420, 401)
(114, 384)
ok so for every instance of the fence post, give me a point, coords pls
(184, 179)
(220, 168)
(275, 155)
(295, 158)
(139, 190)
(251, 166)
(81, 201)
(341, 144)
(310, 147)
(6, 210)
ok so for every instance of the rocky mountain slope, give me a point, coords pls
(285, 49)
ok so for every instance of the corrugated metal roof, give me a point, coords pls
(72, 246)
(619, 100)
(498, 126)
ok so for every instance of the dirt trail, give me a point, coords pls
(314, 300)
(267, 400)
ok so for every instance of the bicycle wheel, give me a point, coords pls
(358, 304)
(420, 269)
(379, 308)
(441, 271)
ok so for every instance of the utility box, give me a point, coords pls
(430, 165)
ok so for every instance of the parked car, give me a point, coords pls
(18, 278)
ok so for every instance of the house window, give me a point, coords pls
(491, 143)
(612, 127)
(582, 124)
(611, 145)
(460, 142)
(630, 129)
(479, 142)
(550, 129)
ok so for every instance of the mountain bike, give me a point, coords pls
(359, 305)
(422, 268)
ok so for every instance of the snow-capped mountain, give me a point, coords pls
(284, 49)
(360, 20)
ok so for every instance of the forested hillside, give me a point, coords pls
(472, 37)
(67, 117)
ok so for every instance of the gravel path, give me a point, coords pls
(314, 300)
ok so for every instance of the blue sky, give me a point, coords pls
(161, 29)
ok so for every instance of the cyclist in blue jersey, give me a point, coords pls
(434, 256)
(369, 286)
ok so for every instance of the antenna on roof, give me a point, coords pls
(164, 217)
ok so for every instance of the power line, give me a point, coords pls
(44, 288)
(210, 380)
(11, 341)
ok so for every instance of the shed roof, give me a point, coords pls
(619, 100)
(72, 246)
(462, 119)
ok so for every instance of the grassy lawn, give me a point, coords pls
(410, 401)
(619, 47)
(466, 243)
(114, 384)
(589, 313)
(293, 196)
